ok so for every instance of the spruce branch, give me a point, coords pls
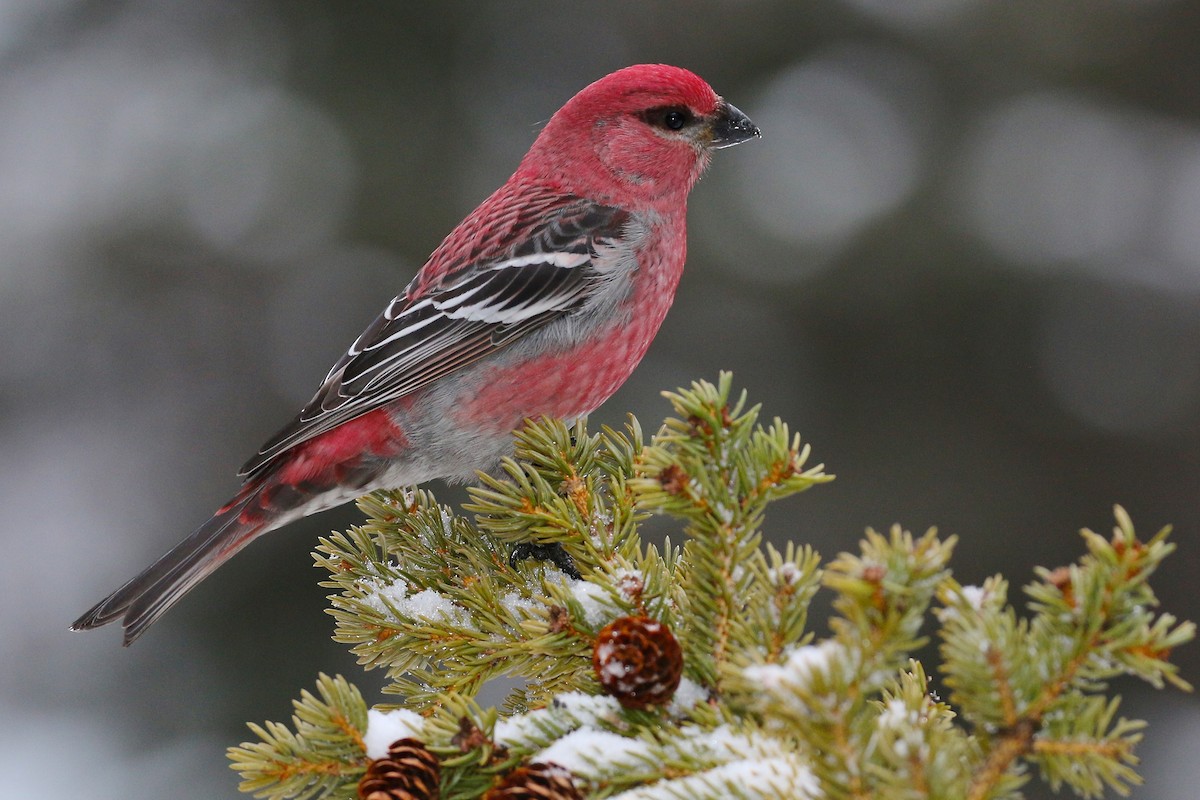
(765, 707)
(823, 692)
(322, 757)
(715, 468)
(1030, 687)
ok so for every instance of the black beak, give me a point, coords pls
(732, 127)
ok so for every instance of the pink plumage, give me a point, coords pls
(540, 303)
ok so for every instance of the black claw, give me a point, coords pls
(554, 553)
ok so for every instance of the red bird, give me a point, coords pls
(540, 303)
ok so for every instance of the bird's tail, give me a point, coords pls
(254, 511)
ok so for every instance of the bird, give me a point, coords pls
(540, 303)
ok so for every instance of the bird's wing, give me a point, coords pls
(470, 310)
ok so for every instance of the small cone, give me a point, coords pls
(408, 772)
(535, 782)
(638, 661)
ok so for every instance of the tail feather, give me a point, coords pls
(148, 596)
(264, 503)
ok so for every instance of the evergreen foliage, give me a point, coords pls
(765, 708)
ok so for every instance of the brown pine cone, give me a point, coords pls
(535, 782)
(408, 772)
(638, 661)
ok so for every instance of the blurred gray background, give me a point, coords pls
(964, 263)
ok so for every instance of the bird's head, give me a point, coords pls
(642, 134)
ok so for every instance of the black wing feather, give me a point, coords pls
(476, 310)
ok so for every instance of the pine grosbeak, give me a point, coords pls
(540, 303)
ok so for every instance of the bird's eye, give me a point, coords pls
(671, 118)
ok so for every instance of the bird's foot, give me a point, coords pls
(554, 553)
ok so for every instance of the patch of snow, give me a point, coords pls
(430, 605)
(766, 778)
(571, 709)
(394, 591)
(687, 696)
(587, 752)
(385, 727)
(974, 595)
(518, 606)
(587, 707)
(519, 729)
(593, 598)
(803, 664)
(896, 715)
(425, 604)
(786, 574)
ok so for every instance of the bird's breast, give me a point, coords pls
(573, 365)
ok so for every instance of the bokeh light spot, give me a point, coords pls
(1122, 362)
(840, 150)
(1052, 178)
